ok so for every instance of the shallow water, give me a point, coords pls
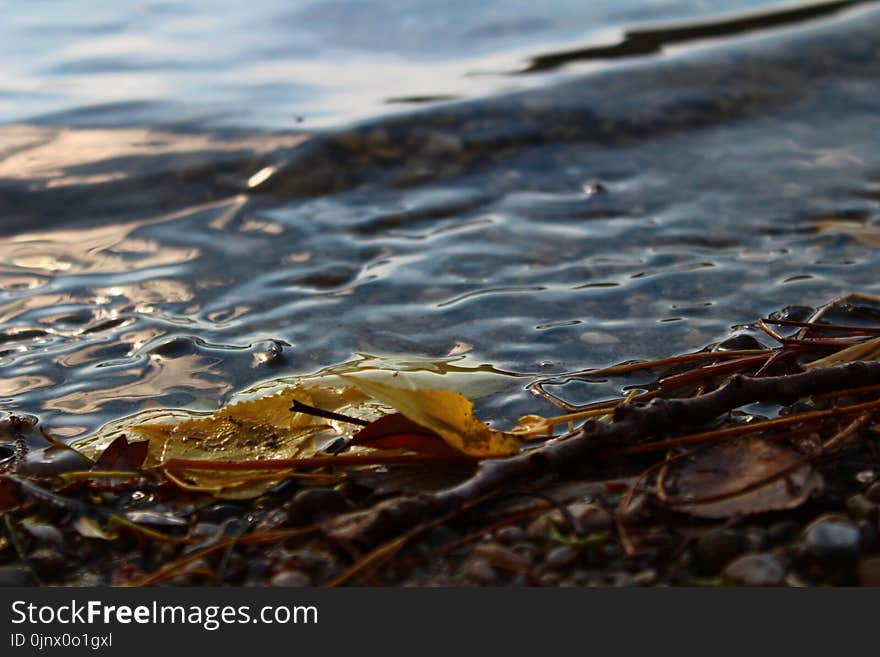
(157, 252)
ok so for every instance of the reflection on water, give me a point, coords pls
(644, 209)
(285, 63)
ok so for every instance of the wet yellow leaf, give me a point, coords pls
(256, 429)
(253, 430)
(448, 414)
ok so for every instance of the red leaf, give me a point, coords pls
(395, 431)
(122, 455)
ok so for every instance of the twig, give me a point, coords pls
(299, 407)
(633, 423)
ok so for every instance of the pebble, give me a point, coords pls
(480, 571)
(510, 535)
(560, 557)
(549, 578)
(48, 561)
(591, 518)
(873, 493)
(869, 571)
(501, 557)
(832, 540)
(52, 461)
(645, 577)
(526, 550)
(273, 520)
(756, 569)
(859, 506)
(219, 512)
(46, 534)
(717, 547)
(291, 578)
(15, 576)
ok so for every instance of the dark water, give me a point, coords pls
(154, 251)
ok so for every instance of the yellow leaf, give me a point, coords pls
(448, 414)
(253, 430)
(257, 429)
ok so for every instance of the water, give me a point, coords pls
(196, 198)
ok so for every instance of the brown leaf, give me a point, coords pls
(741, 478)
(122, 455)
(396, 431)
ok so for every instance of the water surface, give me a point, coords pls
(191, 204)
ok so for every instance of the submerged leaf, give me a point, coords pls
(741, 478)
(254, 430)
(448, 414)
(257, 429)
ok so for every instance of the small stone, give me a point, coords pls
(757, 569)
(873, 493)
(52, 461)
(501, 557)
(869, 571)
(645, 577)
(46, 534)
(549, 578)
(480, 571)
(833, 540)
(526, 550)
(590, 517)
(273, 520)
(717, 547)
(291, 578)
(15, 576)
(859, 506)
(539, 528)
(218, 512)
(560, 557)
(510, 535)
(48, 561)
(866, 476)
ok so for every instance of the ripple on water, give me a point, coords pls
(639, 212)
